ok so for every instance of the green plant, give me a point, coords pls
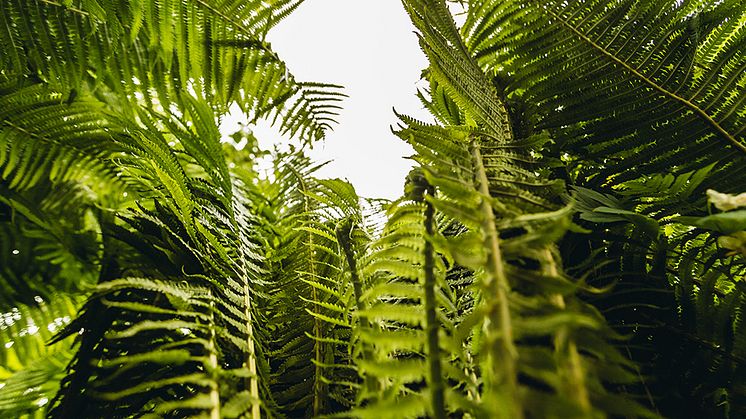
(553, 255)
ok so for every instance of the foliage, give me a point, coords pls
(644, 102)
(570, 243)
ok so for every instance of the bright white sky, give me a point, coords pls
(369, 47)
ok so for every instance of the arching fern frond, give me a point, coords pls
(183, 264)
(156, 53)
(45, 139)
(311, 111)
(627, 88)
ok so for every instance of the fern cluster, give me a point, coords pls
(644, 103)
(554, 254)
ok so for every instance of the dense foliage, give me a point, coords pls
(571, 242)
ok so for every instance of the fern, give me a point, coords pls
(630, 92)
(310, 303)
(552, 256)
(487, 181)
(205, 325)
(31, 370)
(629, 88)
(159, 52)
(43, 139)
(659, 272)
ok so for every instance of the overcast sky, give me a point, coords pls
(369, 47)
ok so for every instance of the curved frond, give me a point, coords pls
(627, 88)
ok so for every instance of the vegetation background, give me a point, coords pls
(570, 243)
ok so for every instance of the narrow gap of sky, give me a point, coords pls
(368, 46)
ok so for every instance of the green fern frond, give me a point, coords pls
(31, 369)
(499, 188)
(628, 88)
(44, 139)
(158, 53)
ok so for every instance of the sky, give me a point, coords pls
(369, 47)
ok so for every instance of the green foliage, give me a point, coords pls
(31, 370)
(175, 290)
(644, 104)
(309, 320)
(162, 52)
(628, 88)
(553, 254)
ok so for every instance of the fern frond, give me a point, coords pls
(497, 187)
(158, 53)
(31, 370)
(197, 295)
(628, 88)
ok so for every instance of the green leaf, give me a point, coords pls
(726, 222)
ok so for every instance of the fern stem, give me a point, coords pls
(252, 382)
(251, 356)
(432, 326)
(319, 386)
(343, 237)
(233, 22)
(70, 8)
(565, 345)
(213, 362)
(503, 352)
